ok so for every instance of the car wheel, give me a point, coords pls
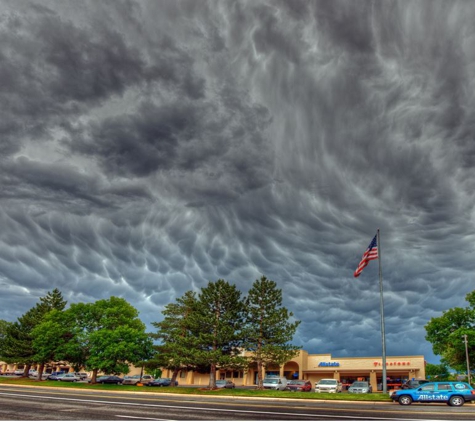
(456, 401)
(102, 382)
(405, 400)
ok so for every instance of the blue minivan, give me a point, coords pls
(454, 393)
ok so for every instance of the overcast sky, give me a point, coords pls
(149, 147)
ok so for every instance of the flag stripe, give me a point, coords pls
(370, 254)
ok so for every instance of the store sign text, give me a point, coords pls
(329, 364)
(392, 363)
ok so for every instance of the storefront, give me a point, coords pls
(314, 367)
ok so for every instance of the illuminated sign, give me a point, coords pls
(329, 364)
(392, 363)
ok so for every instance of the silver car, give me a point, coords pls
(360, 387)
(70, 377)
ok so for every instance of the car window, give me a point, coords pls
(444, 387)
(427, 387)
(461, 386)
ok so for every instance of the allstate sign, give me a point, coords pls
(329, 364)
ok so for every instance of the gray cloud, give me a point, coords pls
(149, 147)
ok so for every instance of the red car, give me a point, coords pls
(299, 385)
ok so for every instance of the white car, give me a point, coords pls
(275, 383)
(328, 385)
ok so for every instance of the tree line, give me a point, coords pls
(201, 331)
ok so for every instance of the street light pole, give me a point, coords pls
(466, 355)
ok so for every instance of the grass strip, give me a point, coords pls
(237, 392)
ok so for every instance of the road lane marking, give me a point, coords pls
(261, 412)
(138, 417)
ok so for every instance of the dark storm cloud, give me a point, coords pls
(149, 147)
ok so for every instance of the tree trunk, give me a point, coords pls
(94, 376)
(26, 372)
(40, 372)
(174, 375)
(260, 385)
(212, 377)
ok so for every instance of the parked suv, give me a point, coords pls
(328, 385)
(454, 393)
(275, 383)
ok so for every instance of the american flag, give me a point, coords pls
(370, 253)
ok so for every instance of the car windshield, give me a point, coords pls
(297, 382)
(327, 382)
(270, 381)
(220, 382)
(360, 384)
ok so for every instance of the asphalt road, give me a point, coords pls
(40, 403)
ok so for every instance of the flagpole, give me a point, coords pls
(383, 336)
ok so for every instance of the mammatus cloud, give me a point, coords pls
(150, 147)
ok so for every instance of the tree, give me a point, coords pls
(446, 335)
(106, 335)
(268, 331)
(219, 318)
(437, 372)
(4, 327)
(177, 336)
(17, 345)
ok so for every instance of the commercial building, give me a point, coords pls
(314, 367)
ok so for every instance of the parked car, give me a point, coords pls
(109, 379)
(131, 380)
(18, 372)
(225, 384)
(328, 385)
(299, 385)
(82, 375)
(161, 382)
(69, 377)
(360, 387)
(454, 393)
(275, 383)
(135, 379)
(34, 375)
(54, 375)
(413, 384)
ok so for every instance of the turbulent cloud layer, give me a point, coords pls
(150, 147)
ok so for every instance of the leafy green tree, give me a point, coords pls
(106, 335)
(437, 372)
(446, 335)
(268, 330)
(177, 336)
(17, 345)
(219, 317)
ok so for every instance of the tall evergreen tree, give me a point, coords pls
(177, 336)
(268, 330)
(219, 317)
(18, 341)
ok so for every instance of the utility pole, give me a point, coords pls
(466, 355)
